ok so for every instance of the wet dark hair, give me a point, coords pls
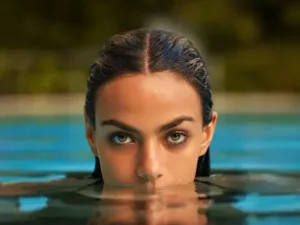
(149, 51)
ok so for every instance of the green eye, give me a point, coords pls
(122, 138)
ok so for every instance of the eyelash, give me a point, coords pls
(183, 133)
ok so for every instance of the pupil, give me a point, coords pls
(122, 138)
(175, 137)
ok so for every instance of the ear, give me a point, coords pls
(90, 134)
(208, 133)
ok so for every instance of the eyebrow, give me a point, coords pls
(175, 122)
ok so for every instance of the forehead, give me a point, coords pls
(140, 97)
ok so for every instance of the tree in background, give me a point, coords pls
(47, 46)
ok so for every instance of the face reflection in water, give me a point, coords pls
(176, 205)
(149, 130)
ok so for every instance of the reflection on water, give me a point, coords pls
(179, 205)
(221, 199)
(85, 201)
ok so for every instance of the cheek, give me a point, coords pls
(117, 163)
(182, 162)
(182, 167)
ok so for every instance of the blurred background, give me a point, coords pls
(46, 47)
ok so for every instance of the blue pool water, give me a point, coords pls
(44, 148)
(58, 145)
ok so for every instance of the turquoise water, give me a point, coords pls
(58, 145)
(45, 148)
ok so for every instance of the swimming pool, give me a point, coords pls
(44, 148)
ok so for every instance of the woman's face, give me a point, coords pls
(148, 130)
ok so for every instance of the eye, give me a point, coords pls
(121, 138)
(177, 137)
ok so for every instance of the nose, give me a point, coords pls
(149, 164)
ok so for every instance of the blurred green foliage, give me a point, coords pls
(47, 46)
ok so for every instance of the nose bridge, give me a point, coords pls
(149, 154)
(149, 164)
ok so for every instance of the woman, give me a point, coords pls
(148, 110)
